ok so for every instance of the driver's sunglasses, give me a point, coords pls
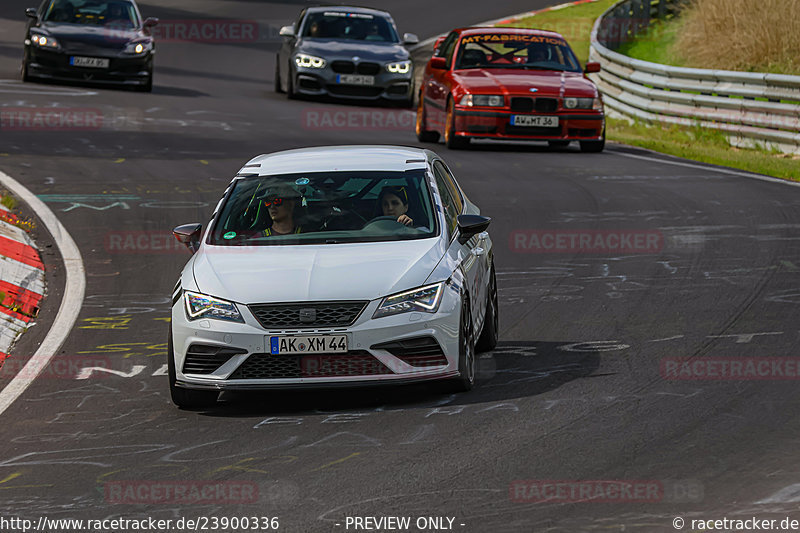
(277, 202)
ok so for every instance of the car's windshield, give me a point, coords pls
(521, 51)
(351, 26)
(326, 207)
(118, 13)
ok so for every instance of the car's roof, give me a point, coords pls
(339, 158)
(348, 9)
(473, 30)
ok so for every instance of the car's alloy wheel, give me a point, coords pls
(467, 360)
(186, 398)
(594, 146)
(423, 134)
(278, 87)
(451, 140)
(488, 338)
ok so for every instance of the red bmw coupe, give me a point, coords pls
(509, 84)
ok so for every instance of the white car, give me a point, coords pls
(333, 266)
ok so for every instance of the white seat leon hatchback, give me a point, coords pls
(333, 266)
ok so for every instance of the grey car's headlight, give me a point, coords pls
(304, 60)
(423, 299)
(44, 41)
(580, 103)
(400, 67)
(203, 306)
(138, 47)
(487, 100)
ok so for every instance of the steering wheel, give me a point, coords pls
(378, 220)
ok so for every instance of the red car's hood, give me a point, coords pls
(514, 81)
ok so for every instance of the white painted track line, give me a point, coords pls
(71, 302)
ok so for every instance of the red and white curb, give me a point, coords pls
(21, 281)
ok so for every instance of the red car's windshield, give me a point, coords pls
(504, 50)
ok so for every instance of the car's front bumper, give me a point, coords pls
(54, 65)
(363, 364)
(572, 125)
(325, 82)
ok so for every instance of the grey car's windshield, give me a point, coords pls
(326, 207)
(516, 51)
(349, 26)
(117, 13)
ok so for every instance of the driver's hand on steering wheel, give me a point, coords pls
(405, 220)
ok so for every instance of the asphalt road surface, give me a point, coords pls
(579, 388)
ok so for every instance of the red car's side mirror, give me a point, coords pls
(592, 67)
(437, 43)
(438, 63)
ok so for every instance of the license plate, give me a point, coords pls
(355, 79)
(285, 345)
(534, 120)
(90, 62)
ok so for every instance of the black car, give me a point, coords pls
(345, 52)
(93, 41)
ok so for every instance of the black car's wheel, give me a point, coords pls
(148, 86)
(24, 71)
(186, 398)
(558, 144)
(290, 85)
(488, 337)
(594, 146)
(451, 140)
(467, 360)
(278, 87)
(421, 127)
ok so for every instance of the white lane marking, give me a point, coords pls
(71, 301)
(14, 86)
(709, 168)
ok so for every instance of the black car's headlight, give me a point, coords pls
(486, 100)
(43, 41)
(583, 103)
(203, 306)
(399, 67)
(307, 61)
(423, 299)
(138, 47)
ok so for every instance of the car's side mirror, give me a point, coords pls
(438, 42)
(150, 22)
(286, 31)
(471, 225)
(592, 67)
(410, 39)
(438, 63)
(32, 13)
(189, 235)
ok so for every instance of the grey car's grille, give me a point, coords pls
(205, 359)
(348, 67)
(421, 351)
(307, 314)
(353, 363)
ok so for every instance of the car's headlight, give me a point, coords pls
(44, 41)
(580, 103)
(400, 67)
(303, 60)
(203, 306)
(487, 100)
(423, 299)
(138, 47)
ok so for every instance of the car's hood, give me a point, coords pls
(519, 82)
(363, 271)
(347, 49)
(91, 36)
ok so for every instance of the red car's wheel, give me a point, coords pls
(453, 141)
(423, 134)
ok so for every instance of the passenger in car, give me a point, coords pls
(393, 202)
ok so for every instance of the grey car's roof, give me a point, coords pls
(349, 9)
(339, 158)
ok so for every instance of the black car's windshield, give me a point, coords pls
(326, 207)
(520, 51)
(117, 13)
(350, 26)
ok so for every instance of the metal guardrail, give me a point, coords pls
(750, 107)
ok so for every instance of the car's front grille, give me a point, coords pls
(343, 67)
(546, 105)
(353, 363)
(307, 314)
(521, 103)
(421, 351)
(368, 69)
(205, 359)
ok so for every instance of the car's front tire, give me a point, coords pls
(186, 398)
(488, 337)
(278, 87)
(467, 360)
(594, 146)
(24, 72)
(423, 134)
(451, 140)
(290, 92)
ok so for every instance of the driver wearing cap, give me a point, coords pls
(280, 204)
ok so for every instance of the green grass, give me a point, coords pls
(8, 201)
(657, 44)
